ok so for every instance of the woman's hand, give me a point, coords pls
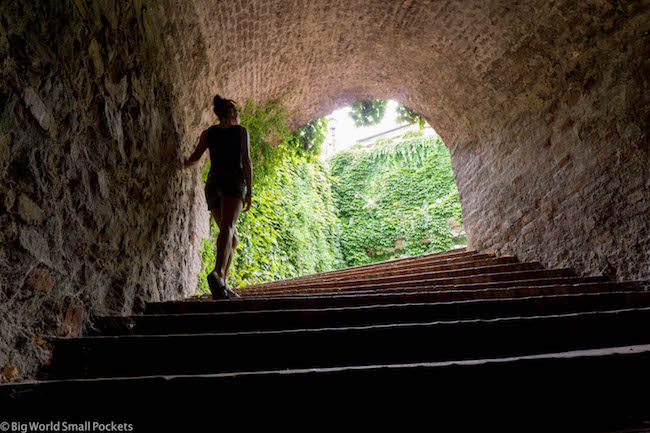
(247, 201)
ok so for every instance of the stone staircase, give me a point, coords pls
(456, 340)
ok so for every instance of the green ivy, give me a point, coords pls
(308, 140)
(395, 199)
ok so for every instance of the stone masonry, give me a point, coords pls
(96, 215)
(543, 104)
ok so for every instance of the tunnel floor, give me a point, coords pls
(444, 332)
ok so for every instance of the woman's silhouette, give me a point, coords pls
(231, 173)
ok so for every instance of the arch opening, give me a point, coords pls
(349, 189)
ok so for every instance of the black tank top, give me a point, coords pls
(225, 152)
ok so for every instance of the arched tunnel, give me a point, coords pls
(544, 106)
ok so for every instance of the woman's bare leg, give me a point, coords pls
(216, 214)
(230, 210)
(235, 242)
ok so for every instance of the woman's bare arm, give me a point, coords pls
(198, 152)
(247, 166)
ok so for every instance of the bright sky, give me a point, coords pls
(347, 133)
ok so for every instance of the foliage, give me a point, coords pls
(412, 134)
(292, 229)
(395, 199)
(308, 140)
(405, 114)
(267, 130)
(368, 113)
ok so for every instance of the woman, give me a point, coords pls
(224, 190)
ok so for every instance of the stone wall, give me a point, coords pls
(96, 216)
(566, 181)
(544, 105)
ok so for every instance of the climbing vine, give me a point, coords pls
(396, 199)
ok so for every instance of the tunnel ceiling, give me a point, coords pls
(462, 65)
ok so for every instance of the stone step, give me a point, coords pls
(108, 356)
(425, 282)
(553, 286)
(442, 257)
(388, 271)
(457, 262)
(429, 286)
(580, 390)
(485, 272)
(321, 317)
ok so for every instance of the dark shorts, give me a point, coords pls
(215, 188)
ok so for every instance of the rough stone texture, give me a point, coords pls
(96, 215)
(565, 178)
(543, 104)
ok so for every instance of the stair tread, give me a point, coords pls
(361, 298)
(557, 391)
(353, 308)
(431, 257)
(582, 353)
(397, 268)
(462, 280)
(506, 269)
(549, 317)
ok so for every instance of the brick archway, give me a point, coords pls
(542, 105)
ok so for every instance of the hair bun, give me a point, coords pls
(222, 106)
